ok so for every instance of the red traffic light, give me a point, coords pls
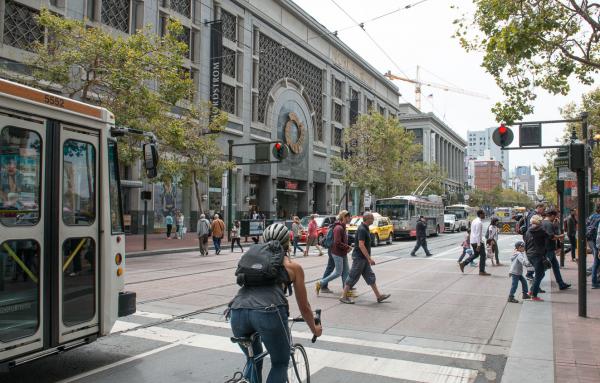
(502, 136)
(280, 151)
(502, 129)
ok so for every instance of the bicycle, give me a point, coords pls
(298, 369)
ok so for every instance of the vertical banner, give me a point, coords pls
(216, 64)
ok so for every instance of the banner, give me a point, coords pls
(216, 63)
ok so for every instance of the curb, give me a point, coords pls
(531, 357)
(149, 253)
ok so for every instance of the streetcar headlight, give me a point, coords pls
(118, 258)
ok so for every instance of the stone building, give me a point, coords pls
(284, 76)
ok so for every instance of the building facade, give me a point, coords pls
(441, 145)
(488, 174)
(480, 144)
(523, 180)
(284, 77)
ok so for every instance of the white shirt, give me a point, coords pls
(476, 230)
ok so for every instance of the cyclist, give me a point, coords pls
(265, 310)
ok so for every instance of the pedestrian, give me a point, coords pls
(297, 233)
(591, 235)
(572, 233)
(535, 248)
(312, 239)
(466, 245)
(177, 224)
(517, 261)
(476, 240)
(492, 236)
(362, 262)
(203, 228)
(169, 223)
(553, 236)
(217, 227)
(339, 251)
(235, 236)
(180, 225)
(421, 237)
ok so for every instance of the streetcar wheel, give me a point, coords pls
(298, 370)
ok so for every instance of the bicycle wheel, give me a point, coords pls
(298, 371)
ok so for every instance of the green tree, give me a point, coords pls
(533, 44)
(383, 159)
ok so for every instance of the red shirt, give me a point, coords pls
(312, 228)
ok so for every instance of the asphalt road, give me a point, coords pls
(439, 325)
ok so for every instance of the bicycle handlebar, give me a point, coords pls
(317, 321)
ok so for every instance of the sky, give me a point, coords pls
(422, 36)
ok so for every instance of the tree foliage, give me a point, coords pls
(383, 157)
(533, 44)
(499, 197)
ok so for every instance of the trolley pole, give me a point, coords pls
(560, 188)
(229, 186)
(582, 205)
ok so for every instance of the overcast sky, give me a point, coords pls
(422, 35)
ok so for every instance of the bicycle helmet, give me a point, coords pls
(277, 232)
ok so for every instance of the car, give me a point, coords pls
(451, 223)
(382, 229)
(323, 223)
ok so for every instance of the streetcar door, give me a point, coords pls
(22, 254)
(78, 227)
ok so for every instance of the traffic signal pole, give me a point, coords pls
(582, 205)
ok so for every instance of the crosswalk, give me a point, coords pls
(387, 361)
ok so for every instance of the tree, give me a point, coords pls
(194, 154)
(383, 156)
(533, 44)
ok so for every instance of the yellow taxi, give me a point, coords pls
(381, 230)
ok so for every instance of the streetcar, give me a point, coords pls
(464, 214)
(62, 244)
(404, 211)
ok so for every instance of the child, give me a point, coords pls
(466, 245)
(489, 250)
(517, 261)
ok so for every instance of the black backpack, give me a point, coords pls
(262, 265)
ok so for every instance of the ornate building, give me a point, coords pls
(284, 76)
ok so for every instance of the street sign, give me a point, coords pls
(561, 162)
(565, 174)
(530, 135)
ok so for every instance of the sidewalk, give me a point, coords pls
(159, 244)
(576, 340)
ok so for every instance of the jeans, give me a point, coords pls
(271, 325)
(330, 264)
(341, 268)
(551, 255)
(169, 228)
(421, 242)
(481, 254)
(515, 283)
(234, 241)
(596, 263)
(538, 264)
(573, 243)
(217, 243)
(296, 246)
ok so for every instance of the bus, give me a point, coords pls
(62, 243)
(404, 211)
(464, 214)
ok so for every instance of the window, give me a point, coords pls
(20, 28)
(337, 112)
(229, 62)
(114, 186)
(337, 88)
(79, 183)
(20, 176)
(337, 137)
(183, 7)
(78, 280)
(115, 13)
(19, 289)
(229, 25)
(228, 98)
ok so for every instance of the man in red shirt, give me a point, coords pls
(312, 239)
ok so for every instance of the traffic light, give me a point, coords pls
(280, 151)
(503, 136)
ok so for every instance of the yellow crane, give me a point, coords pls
(418, 83)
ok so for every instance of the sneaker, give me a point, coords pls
(318, 287)
(326, 290)
(346, 300)
(537, 299)
(526, 296)
(413, 254)
(428, 255)
(484, 274)
(383, 297)
(565, 286)
(462, 266)
(512, 300)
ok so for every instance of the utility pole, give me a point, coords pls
(229, 186)
(582, 207)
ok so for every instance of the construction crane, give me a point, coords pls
(418, 83)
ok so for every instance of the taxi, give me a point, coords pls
(381, 230)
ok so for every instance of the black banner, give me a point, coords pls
(216, 63)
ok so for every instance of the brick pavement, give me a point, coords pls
(576, 340)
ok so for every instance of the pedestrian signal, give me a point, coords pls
(503, 136)
(280, 151)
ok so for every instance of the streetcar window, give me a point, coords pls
(116, 215)
(79, 183)
(79, 280)
(19, 289)
(20, 176)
